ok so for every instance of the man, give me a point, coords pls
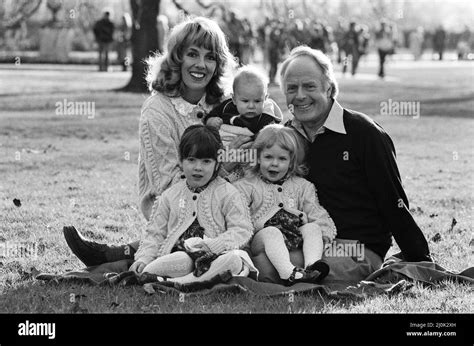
(439, 41)
(351, 161)
(384, 41)
(351, 48)
(103, 32)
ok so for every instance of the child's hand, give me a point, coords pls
(202, 247)
(191, 244)
(196, 244)
(215, 122)
(137, 267)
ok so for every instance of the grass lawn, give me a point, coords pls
(72, 170)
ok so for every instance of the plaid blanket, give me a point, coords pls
(395, 276)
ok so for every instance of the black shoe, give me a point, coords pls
(89, 252)
(320, 266)
(301, 275)
(312, 274)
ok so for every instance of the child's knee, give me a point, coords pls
(231, 261)
(271, 232)
(310, 229)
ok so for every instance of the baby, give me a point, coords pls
(249, 109)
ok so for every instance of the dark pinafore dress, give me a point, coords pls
(287, 223)
(202, 259)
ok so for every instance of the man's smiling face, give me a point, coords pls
(307, 90)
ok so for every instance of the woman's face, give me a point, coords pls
(198, 67)
(198, 172)
(274, 163)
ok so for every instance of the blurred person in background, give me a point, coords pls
(364, 40)
(104, 35)
(415, 43)
(124, 34)
(351, 48)
(439, 41)
(465, 43)
(385, 43)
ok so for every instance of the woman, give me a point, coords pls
(186, 83)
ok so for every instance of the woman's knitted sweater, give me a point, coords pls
(219, 208)
(296, 195)
(162, 123)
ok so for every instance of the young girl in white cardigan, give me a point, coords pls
(199, 220)
(284, 207)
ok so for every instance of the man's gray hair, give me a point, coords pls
(320, 59)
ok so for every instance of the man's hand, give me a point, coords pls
(137, 267)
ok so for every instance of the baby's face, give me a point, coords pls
(249, 98)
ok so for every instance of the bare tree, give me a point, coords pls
(144, 41)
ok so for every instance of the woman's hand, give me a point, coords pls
(137, 267)
(239, 142)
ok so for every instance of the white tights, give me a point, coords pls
(270, 240)
(178, 266)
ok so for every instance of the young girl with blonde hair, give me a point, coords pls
(284, 207)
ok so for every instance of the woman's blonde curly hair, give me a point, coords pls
(164, 71)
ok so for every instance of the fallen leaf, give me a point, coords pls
(17, 202)
(149, 288)
(436, 238)
(453, 223)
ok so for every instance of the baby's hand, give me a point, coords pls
(215, 122)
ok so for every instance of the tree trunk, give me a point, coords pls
(144, 41)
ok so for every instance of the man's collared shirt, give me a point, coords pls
(334, 122)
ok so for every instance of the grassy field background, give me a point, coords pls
(72, 170)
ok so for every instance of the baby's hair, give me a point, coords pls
(250, 74)
(287, 139)
(201, 142)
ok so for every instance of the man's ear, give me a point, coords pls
(329, 91)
